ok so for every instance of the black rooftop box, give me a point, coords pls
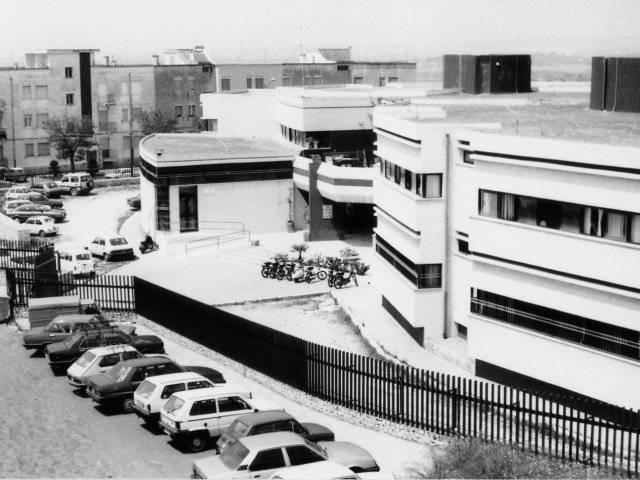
(615, 84)
(487, 73)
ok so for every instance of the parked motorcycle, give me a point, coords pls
(314, 272)
(148, 245)
(266, 268)
(342, 280)
(332, 275)
(284, 270)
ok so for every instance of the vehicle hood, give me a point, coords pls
(318, 432)
(212, 467)
(209, 373)
(34, 333)
(76, 370)
(148, 343)
(349, 454)
(57, 347)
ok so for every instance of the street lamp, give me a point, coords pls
(270, 82)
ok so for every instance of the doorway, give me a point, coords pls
(188, 209)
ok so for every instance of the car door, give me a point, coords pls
(266, 463)
(59, 331)
(106, 362)
(230, 408)
(94, 246)
(302, 454)
(203, 415)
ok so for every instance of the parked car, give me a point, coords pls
(121, 172)
(153, 393)
(41, 225)
(10, 205)
(134, 202)
(23, 212)
(99, 360)
(14, 192)
(78, 262)
(263, 455)
(324, 470)
(118, 384)
(110, 246)
(58, 329)
(50, 189)
(268, 422)
(63, 354)
(195, 417)
(76, 183)
(15, 174)
(40, 199)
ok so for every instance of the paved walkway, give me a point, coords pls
(232, 275)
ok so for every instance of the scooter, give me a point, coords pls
(314, 272)
(345, 278)
(266, 268)
(148, 245)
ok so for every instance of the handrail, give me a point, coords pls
(206, 223)
(217, 238)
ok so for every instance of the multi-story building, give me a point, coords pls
(70, 82)
(524, 246)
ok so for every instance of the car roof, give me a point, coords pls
(40, 217)
(175, 377)
(71, 251)
(100, 351)
(209, 392)
(143, 362)
(75, 317)
(265, 416)
(316, 471)
(269, 440)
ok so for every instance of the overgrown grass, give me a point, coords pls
(472, 458)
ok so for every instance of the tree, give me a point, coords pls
(158, 121)
(299, 248)
(68, 134)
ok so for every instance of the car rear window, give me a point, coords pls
(117, 241)
(79, 256)
(85, 359)
(173, 404)
(238, 429)
(145, 389)
(118, 373)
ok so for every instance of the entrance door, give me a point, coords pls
(189, 209)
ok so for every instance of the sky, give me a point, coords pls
(277, 30)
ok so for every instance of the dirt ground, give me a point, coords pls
(316, 319)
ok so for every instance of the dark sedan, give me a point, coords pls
(40, 199)
(23, 212)
(134, 202)
(116, 386)
(50, 189)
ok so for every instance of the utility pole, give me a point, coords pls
(130, 128)
(13, 123)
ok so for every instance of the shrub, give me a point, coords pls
(473, 458)
(281, 257)
(54, 168)
(348, 252)
(299, 248)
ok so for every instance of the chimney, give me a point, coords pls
(106, 60)
(156, 59)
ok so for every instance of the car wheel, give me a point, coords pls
(127, 405)
(90, 184)
(197, 442)
(74, 191)
(41, 234)
(107, 257)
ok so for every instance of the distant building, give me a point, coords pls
(487, 73)
(615, 84)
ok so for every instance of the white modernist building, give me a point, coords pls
(528, 248)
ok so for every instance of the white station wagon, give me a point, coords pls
(153, 393)
(78, 262)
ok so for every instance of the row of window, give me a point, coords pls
(554, 323)
(568, 217)
(422, 276)
(41, 119)
(191, 111)
(301, 138)
(425, 185)
(37, 149)
(42, 93)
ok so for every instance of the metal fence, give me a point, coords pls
(111, 292)
(21, 254)
(562, 427)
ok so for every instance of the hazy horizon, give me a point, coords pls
(276, 30)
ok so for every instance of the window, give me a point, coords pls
(27, 120)
(358, 80)
(249, 82)
(42, 92)
(171, 389)
(225, 84)
(137, 113)
(422, 276)
(212, 125)
(616, 226)
(43, 149)
(466, 157)
(488, 204)
(69, 98)
(198, 384)
(125, 115)
(109, 360)
(429, 276)
(26, 92)
(41, 119)
(407, 179)
(267, 460)
(203, 407)
(259, 82)
(188, 197)
(393, 79)
(28, 149)
(177, 109)
(286, 81)
(177, 88)
(429, 185)
(162, 208)
(232, 404)
(104, 147)
(191, 110)
(68, 72)
(301, 454)
(382, 81)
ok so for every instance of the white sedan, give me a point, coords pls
(41, 225)
(110, 247)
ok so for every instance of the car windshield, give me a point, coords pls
(85, 359)
(118, 373)
(117, 241)
(52, 185)
(73, 340)
(145, 389)
(314, 446)
(83, 256)
(173, 404)
(233, 457)
(238, 429)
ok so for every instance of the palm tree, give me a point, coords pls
(300, 248)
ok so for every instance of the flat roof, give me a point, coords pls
(558, 114)
(177, 147)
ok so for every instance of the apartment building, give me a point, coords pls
(525, 246)
(55, 83)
